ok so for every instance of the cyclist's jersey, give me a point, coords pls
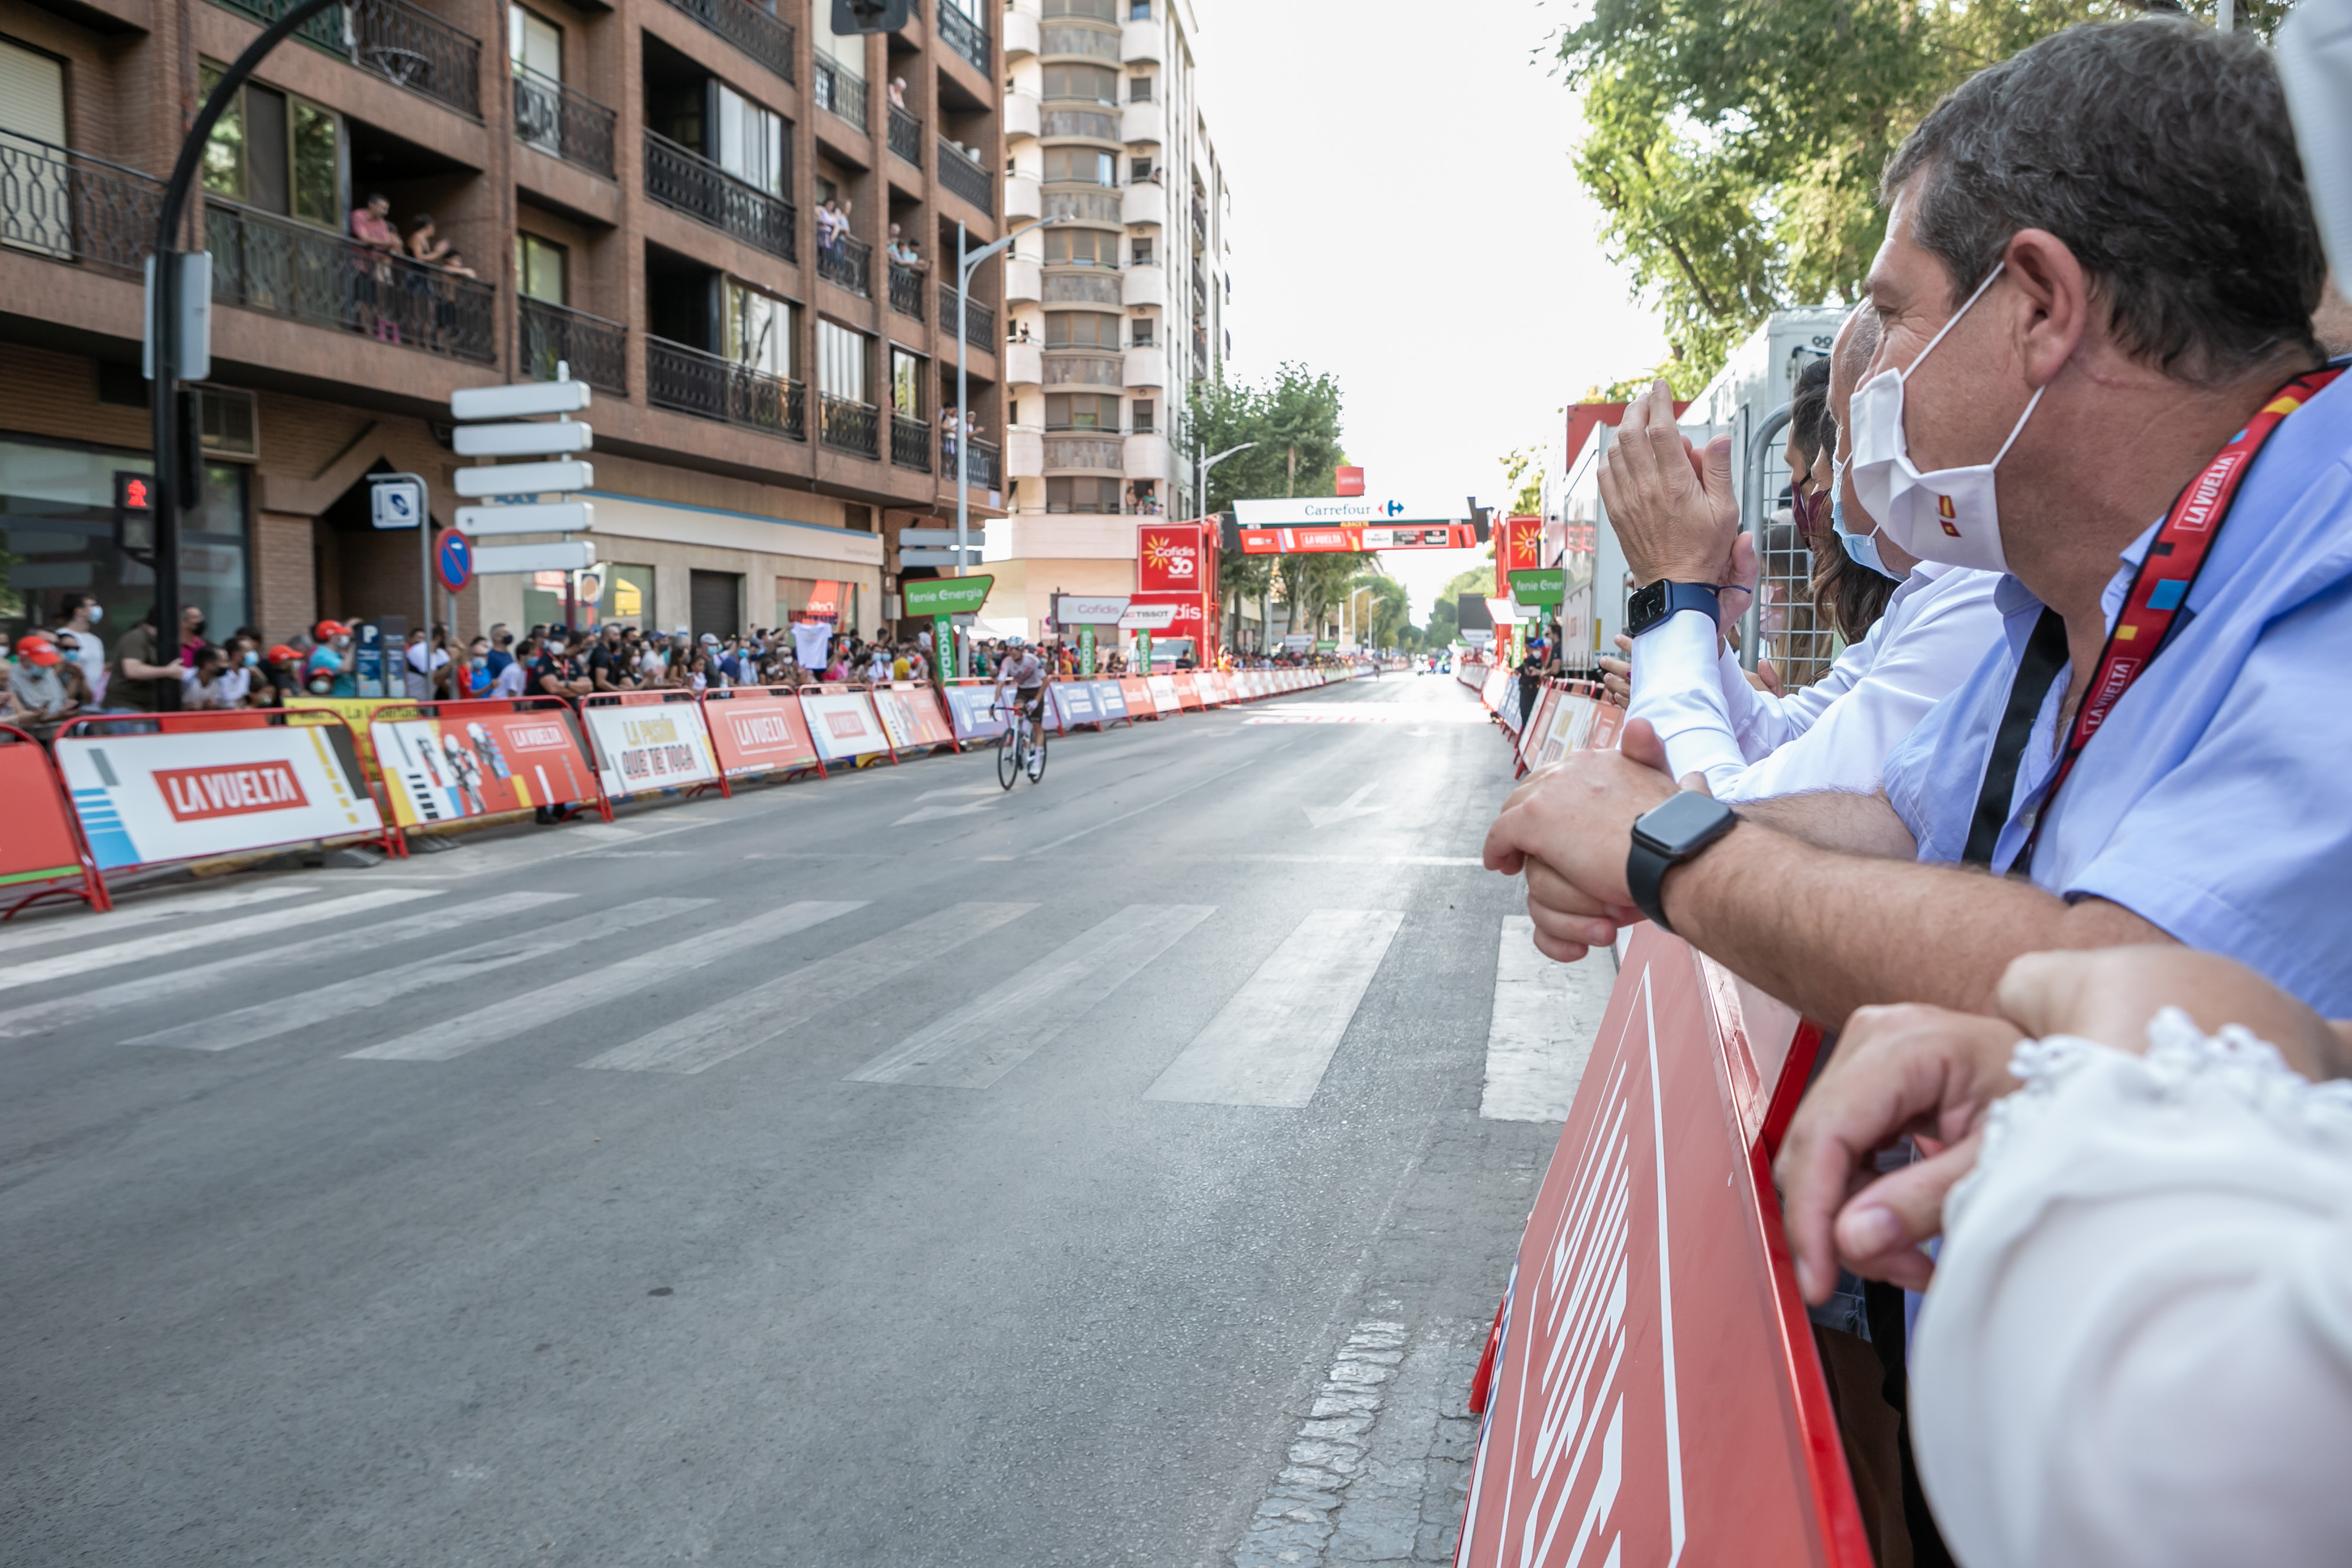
(1025, 671)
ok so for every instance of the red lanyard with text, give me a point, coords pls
(2160, 587)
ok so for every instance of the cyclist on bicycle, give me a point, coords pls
(1025, 672)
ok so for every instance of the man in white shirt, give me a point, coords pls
(419, 685)
(80, 614)
(1836, 733)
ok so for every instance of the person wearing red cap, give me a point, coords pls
(36, 692)
(329, 670)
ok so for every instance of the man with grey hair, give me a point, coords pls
(2096, 297)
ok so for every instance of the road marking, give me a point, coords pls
(1545, 1017)
(939, 813)
(44, 1016)
(1153, 806)
(995, 1032)
(284, 1015)
(1346, 810)
(770, 1010)
(37, 934)
(1271, 1043)
(521, 1013)
(202, 933)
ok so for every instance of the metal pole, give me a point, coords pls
(962, 447)
(1752, 503)
(164, 327)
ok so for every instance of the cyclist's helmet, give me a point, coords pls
(1016, 642)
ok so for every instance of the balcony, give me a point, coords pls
(907, 289)
(959, 173)
(840, 94)
(1022, 200)
(847, 425)
(1082, 207)
(1146, 456)
(1023, 281)
(1094, 287)
(1023, 117)
(980, 321)
(1092, 453)
(847, 263)
(1146, 367)
(1143, 202)
(910, 443)
(905, 136)
(391, 38)
(693, 382)
(1139, 41)
(1085, 368)
(1144, 286)
(1087, 124)
(1020, 34)
(751, 28)
(1025, 365)
(71, 207)
(551, 337)
(1144, 121)
(984, 468)
(684, 180)
(281, 267)
(1199, 226)
(560, 122)
(964, 35)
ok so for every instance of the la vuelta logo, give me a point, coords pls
(1172, 556)
(198, 795)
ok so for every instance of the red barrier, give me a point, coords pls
(44, 841)
(648, 740)
(1137, 691)
(1188, 694)
(756, 730)
(448, 762)
(1531, 738)
(159, 787)
(1657, 1398)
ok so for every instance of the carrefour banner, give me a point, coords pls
(650, 746)
(186, 794)
(463, 764)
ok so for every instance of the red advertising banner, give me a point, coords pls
(1170, 558)
(1192, 618)
(758, 730)
(1320, 540)
(1518, 547)
(1188, 689)
(1657, 1399)
(1137, 693)
(478, 758)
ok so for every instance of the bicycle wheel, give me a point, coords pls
(1038, 757)
(1008, 755)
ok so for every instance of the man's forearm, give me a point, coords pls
(1836, 819)
(1827, 931)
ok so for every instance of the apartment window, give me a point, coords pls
(1140, 333)
(1080, 411)
(535, 43)
(1139, 10)
(1139, 89)
(1082, 495)
(1143, 412)
(840, 361)
(1139, 169)
(750, 140)
(542, 270)
(1100, 10)
(1081, 247)
(32, 94)
(1093, 84)
(1080, 329)
(844, 52)
(760, 330)
(1142, 252)
(906, 383)
(1080, 165)
(276, 152)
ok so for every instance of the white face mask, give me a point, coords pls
(97, 613)
(1861, 549)
(1949, 515)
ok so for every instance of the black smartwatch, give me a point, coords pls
(1650, 607)
(1664, 838)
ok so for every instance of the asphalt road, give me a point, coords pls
(879, 1170)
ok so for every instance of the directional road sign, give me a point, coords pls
(564, 556)
(527, 479)
(549, 517)
(519, 401)
(945, 595)
(523, 440)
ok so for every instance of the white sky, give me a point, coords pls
(1405, 217)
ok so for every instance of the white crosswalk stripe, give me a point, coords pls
(80, 927)
(614, 982)
(284, 1015)
(202, 933)
(990, 1036)
(42, 1017)
(1546, 1015)
(1272, 1042)
(770, 1010)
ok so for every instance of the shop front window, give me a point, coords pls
(56, 524)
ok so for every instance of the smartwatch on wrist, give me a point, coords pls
(1664, 838)
(1651, 605)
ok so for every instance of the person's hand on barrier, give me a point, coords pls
(1909, 1070)
(1568, 828)
(1617, 674)
(2109, 996)
(1672, 506)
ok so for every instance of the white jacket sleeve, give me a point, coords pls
(2137, 1348)
(1675, 688)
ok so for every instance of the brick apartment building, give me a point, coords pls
(634, 188)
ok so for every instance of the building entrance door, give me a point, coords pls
(715, 599)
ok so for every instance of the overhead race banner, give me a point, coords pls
(190, 793)
(1317, 541)
(643, 746)
(1313, 511)
(755, 731)
(445, 769)
(844, 724)
(945, 595)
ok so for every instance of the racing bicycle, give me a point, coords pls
(1022, 747)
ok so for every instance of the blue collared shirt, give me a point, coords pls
(2212, 802)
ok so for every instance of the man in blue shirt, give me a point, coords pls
(2107, 244)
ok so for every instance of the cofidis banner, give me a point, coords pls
(191, 792)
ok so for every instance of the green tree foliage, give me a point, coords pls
(1392, 611)
(1734, 145)
(1523, 469)
(1294, 418)
(1445, 623)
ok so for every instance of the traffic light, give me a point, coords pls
(1481, 518)
(870, 15)
(1229, 528)
(134, 514)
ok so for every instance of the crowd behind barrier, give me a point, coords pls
(120, 793)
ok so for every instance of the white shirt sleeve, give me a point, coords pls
(2137, 1348)
(1676, 689)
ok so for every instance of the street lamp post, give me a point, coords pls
(1201, 467)
(967, 262)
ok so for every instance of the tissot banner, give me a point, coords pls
(174, 796)
(447, 769)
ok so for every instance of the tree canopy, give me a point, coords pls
(1294, 418)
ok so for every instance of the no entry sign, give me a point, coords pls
(453, 561)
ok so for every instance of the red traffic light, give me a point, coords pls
(132, 492)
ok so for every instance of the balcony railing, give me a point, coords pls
(596, 350)
(839, 93)
(958, 173)
(985, 468)
(287, 268)
(979, 321)
(72, 208)
(751, 28)
(406, 46)
(964, 35)
(847, 425)
(847, 263)
(907, 289)
(693, 382)
(680, 178)
(905, 136)
(560, 122)
(910, 443)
